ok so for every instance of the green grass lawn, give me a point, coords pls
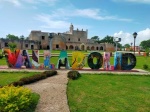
(56, 51)
(9, 77)
(109, 93)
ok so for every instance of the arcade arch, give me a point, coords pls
(71, 47)
(101, 48)
(92, 48)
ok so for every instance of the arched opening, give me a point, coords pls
(66, 47)
(32, 46)
(88, 48)
(48, 47)
(96, 48)
(71, 47)
(92, 48)
(82, 47)
(40, 47)
(76, 48)
(101, 48)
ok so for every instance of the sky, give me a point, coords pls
(117, 18)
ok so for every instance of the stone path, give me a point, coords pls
(52, 93)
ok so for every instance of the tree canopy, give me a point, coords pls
(127, 46)
(96, 38)
(12, 37)
(108, 39)
(145, 44)
(12, 46)
(22, 37)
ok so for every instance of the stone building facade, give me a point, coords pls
(70, 40)
(21, 44)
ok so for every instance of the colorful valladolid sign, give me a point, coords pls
(21, 59)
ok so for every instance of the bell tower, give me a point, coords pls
(71, 28)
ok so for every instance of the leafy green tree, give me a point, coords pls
(147, 50)
(12, 37)
(96, 38)
(108, 39)
(22, 37)
(145, 44)
(127, 46)
(12, 46)
(119, 45)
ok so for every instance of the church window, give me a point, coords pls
(43, 37)
(57, 46)
(26, 45)
(78, 39)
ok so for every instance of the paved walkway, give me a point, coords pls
(52, 93)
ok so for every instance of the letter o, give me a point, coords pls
(99, 60)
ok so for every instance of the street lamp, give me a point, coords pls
(116, 40)
(134, 35)
(131, 46)
(22, 42)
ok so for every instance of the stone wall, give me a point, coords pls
(21, 44)
(109, 47)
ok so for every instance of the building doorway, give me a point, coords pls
(82, 47)
(32, 46)
(101, 48)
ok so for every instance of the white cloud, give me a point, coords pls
(86, 13)
(134, 1)
(19, 3)
(127, 38)
(55, 24)
(96, 14)
(50, 22)
(49, 2)
(60, 18)
(14, 2)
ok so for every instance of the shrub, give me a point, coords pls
(73, 75)
(147, 53)
(28, 80)
(15, 99)
(50, 73)
(17, 83)
(34, 78)
(1, 56)
(25, 80)
(145, 66)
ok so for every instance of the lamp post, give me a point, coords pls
(22, 42)
(116, 40)
(50, 41)
(134, 35)
(131, 46)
